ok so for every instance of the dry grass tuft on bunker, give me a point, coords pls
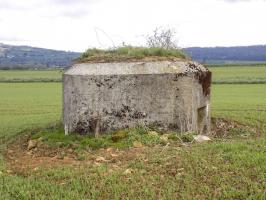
(132, 53)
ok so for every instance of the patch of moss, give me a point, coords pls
(187, 137)
(119, 135)
(174, 137)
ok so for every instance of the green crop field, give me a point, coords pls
(226, 168)
(30, 75)
(239, 74)
(241, 102)
(25, 105)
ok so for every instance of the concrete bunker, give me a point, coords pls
(100, 97)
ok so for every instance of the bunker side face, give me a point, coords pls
(102, 97)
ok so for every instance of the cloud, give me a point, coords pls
(6, 38)
(50, 8)
(78, 13)
(17, 5)
(237, 1)
(7, 5)
(70, 24)
(74, 9)
(71, 2)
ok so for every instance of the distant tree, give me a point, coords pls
(162, 38)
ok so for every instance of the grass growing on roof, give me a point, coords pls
(129, 52)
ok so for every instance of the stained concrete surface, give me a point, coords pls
(100, 97)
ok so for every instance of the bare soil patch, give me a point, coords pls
(22, 161)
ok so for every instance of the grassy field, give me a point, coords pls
(227, 168)
(24, 105)
(239, 74)
(30, 75)
(241, 102)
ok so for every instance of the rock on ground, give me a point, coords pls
(32, 144)
(137, 144)
(201, 138)
(153, 133)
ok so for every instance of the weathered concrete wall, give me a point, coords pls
(169, 95)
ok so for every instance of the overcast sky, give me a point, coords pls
(79, 24)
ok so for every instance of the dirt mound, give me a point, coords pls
(22, 160)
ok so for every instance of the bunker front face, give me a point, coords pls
(100, 97)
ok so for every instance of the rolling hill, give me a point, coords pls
(228, 54)
(26, 57)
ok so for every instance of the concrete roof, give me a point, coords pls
(158, 67)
